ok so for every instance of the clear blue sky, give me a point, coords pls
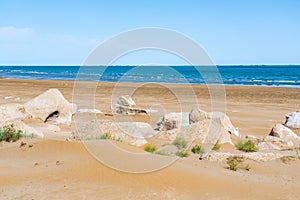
(232, 32)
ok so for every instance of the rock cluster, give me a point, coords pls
(49, 106)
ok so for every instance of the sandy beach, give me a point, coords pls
(52, 168)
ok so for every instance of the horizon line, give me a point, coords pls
(139, 65)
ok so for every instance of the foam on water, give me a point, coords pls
(270, 76)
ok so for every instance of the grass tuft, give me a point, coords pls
(217, 146)
(233, 165)
(161, 152)
(297, 149)
(198, 149)
(287, 159)
(180, 143)
(247, 167)
(247, 146)
(236, 162)
(182, 154)
(150, 148)
(10, 134)
(105, 136)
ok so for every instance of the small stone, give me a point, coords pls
(22, 144)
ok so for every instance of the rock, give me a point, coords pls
(206, 132)
(169, 135)
(52, 127)
(283, 132)
(49, 104)
(134, 133)
(256, 156)
(126, 101)
(12, 112)
(267, 146)
(136, 129)
(275, 143)
(293, 120)
(211, 131)
(197, 115)
(173, 121)
(128, 111)
(270, 143)
(26, 129)
(125, 106)
(94, 111)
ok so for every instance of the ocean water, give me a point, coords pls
(258, 75)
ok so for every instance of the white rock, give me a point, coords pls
(173, 121)
(197, 115)
(51, 101)
(126, 100)
(283, 132)
(293, 120)
(11, 112)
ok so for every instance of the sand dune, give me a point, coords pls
(59, 169)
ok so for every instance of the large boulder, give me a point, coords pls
(198, 126)
(293, 120)
(173, 121)
(11, 112)
(198, 115)
(50, 104)
(283, 132)
(211, 131)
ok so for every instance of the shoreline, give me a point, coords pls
(157, 83)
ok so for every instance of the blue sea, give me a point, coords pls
(254, 75)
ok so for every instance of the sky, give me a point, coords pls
(231, 32)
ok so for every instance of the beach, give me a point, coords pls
(53, 168)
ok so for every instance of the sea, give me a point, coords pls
(240, 75)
